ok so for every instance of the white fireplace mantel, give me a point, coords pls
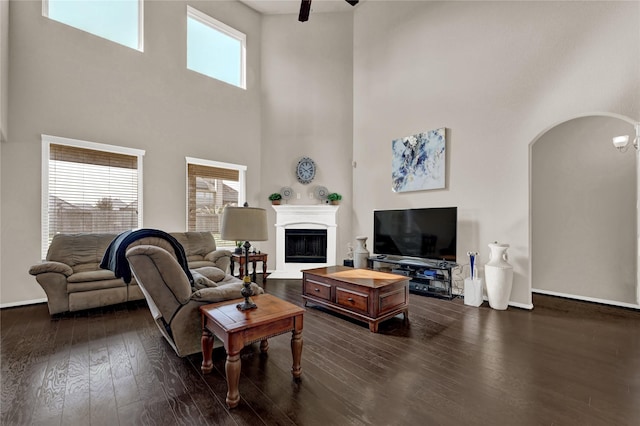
(320, 216)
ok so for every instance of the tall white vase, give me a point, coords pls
(360, 254)
(498, 274)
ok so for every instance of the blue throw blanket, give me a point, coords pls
(115, 258)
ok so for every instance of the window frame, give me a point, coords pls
(48, 140)
(140, 47)
(242, 180)
(213, 23)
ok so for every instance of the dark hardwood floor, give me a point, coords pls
(564, 363)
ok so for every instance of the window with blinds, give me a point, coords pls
(89, 188)
(211, 187)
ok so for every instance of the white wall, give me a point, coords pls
(69, 83)
(307, 82)
(583, 211)
(495, 74)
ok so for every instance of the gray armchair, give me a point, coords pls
(173, 302)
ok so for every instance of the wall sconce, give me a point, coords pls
(621, 143)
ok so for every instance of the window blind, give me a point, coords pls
(210, 189)
(90, 191)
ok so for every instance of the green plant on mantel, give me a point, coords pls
(334, 197)
(275, 198)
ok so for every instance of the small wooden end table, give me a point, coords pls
(237, 329)
(253, 259)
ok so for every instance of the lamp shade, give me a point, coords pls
(621, 141)
(244, 224)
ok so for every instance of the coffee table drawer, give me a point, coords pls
(317, 289)
(352, 300)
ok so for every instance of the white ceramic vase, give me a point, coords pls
(498, 275)
(360, 254)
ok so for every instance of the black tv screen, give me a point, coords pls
(428, 233)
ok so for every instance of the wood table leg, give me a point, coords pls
(296, 353)
(207, 349)
(264, 346)
(232, 369)
(264, 272)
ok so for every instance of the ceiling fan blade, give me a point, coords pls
(305, 8)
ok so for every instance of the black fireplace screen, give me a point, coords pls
(305, 245)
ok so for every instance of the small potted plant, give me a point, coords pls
(275, 198)
(238, 249)
(334, 197)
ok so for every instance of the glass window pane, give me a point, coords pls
(212, 50)
(117, 21)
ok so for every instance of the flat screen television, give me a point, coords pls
(428, 233)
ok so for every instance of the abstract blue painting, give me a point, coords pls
(418, 161)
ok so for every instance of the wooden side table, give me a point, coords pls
(237, 329)
(253, 259)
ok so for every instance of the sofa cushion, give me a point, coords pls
(196, 244)
(76, 249)
(211, 272)
(223, 292)
(94, 275)
(94, 285)
(200, 281)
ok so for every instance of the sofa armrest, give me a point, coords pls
(51, 266)
(221, 258)
(223, 292)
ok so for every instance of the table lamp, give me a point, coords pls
(244, 223)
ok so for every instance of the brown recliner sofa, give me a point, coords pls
(73, 280)
(173, 302)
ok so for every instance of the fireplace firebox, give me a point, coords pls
(305, 246)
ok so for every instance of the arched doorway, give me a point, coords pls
(584, 221)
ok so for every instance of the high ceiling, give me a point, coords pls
(279, 7)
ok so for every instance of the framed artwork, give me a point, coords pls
(418, 161)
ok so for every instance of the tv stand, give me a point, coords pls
(427, 277)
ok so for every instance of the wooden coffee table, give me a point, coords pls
(238, 328)
(362, 294)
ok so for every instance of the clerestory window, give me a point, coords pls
(119, 21)
(215, 49)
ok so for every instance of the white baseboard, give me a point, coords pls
(528, 306)
(22, 303)
(587, 299)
